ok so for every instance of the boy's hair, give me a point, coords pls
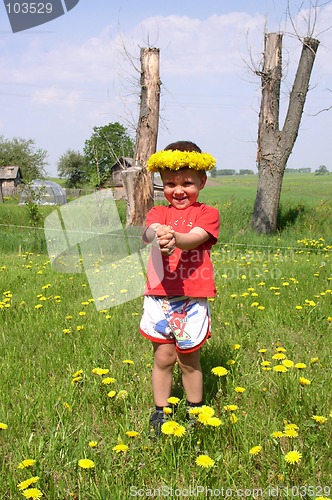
(183, 146)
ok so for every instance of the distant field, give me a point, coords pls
(306, 188)
(305, 212)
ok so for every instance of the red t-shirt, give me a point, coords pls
(185, 272)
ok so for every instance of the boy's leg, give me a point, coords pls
(162, 374)
(192, 377)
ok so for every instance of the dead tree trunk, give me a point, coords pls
(138, 182)
(275, 145)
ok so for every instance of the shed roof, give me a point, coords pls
(9, 172)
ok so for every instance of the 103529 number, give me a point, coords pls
(29, 8)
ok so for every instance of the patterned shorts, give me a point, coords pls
(182, 321)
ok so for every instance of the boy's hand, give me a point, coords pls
(165, 239)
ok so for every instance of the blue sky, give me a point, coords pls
(61, 79)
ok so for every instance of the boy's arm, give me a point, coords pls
(189, 241)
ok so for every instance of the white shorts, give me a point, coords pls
(183, 321)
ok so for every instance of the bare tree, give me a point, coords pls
(138, 182)
(275, 145)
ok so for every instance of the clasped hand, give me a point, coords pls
(165, 239)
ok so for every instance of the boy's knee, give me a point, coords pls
(165, 355)
(189, 362)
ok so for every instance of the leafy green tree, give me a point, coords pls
(72, 167)
(24, 154)
(322, 170)
(105, 146)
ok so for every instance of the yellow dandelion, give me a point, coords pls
(207, 410)
(128, 362)
(277, 434)
(100, 371)
(280, 349)
(79, 328)
(279, 356)
(231, 407)
(255, 450)
(319, 419)
(173, 400)
(33, 493)
(93, 444)
(132, 434)
(219, 371)
(291, 433)
(28, 482)
(28, 462)
(313, 360)
(239, 389)
(120, 448)
(304, 381)
(280, 369)
(3, 426)
(168, 427)
(300, 366)
(179, 431)
(108, 380)
(288, 363)
(293, 457)
(66, 330)
(262, 351)
(233, 418)
(236, 347)
(214, 421)
(111, 394)
(75, 380)
(203, 418)
(194, 411)
(167, 410)
(265, 363)
(123, 394)
(77, 374)
(204, 461)
(291, 426)
(299, 308)
(86, 463)
(230, 362)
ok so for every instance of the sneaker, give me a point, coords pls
(156, 421)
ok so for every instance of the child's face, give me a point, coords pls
(182, 187)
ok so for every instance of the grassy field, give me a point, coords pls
(75, 386)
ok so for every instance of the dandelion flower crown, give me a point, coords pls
(174, 160)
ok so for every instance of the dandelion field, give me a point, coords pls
(75, 386)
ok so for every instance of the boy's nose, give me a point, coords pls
(178, 189)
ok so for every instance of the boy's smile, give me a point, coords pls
(182, 187)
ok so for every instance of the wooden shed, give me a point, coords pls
(115, 182)
(10, 178)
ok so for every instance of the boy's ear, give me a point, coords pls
(203, 182)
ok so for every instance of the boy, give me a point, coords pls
(176, 313)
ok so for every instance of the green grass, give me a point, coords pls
(273, 292)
